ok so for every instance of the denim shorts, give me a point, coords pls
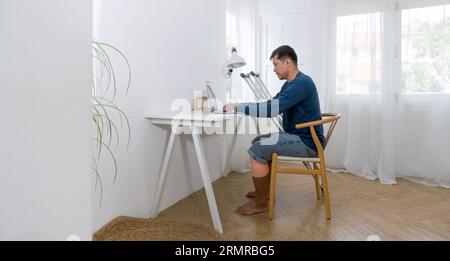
(284, 144)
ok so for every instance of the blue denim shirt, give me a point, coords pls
(298, 102)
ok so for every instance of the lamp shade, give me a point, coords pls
(235, 60)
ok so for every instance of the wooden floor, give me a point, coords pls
(359, 208)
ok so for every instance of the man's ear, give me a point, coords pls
(289, 62)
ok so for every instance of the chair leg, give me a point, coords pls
(318, 190)
(273, 174)
(317, 182)
(326, 196)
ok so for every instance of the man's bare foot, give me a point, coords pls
(252, 194)
(251, 207)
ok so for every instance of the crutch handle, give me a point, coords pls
(254, 74)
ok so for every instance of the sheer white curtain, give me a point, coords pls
(241, 19)
(389, 72)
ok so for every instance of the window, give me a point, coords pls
(413, 40)
(231, 31)
(359, 50)
(426, 50)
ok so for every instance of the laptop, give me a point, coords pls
(212, 102)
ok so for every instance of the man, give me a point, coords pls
(298, 102)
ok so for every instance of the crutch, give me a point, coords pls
(255, 92)
(266, 92)
(252, 87)
(261, 84)
(258, 93)
(260, 96)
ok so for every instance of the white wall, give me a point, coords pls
(174, 47)
(45, 130)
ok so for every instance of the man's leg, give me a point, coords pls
(261, 180)
(252, 194)
(257, 142)
(261, 151)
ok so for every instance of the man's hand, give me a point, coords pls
(230, 107)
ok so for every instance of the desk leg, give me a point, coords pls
(163, 173)
(206, 179)
(231, 148)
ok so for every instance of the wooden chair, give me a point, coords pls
(314, 166)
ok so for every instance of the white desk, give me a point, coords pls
(195, 121)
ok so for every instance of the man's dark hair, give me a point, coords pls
(283, 52)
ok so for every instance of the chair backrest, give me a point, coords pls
(334, 119)
(330, 118)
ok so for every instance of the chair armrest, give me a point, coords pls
(332, 117)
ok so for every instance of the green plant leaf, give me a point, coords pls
(98, 179)
(104, 81)
(126, 60)
(112, 157)
(108, 61)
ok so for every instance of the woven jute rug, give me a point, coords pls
(139, 229)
